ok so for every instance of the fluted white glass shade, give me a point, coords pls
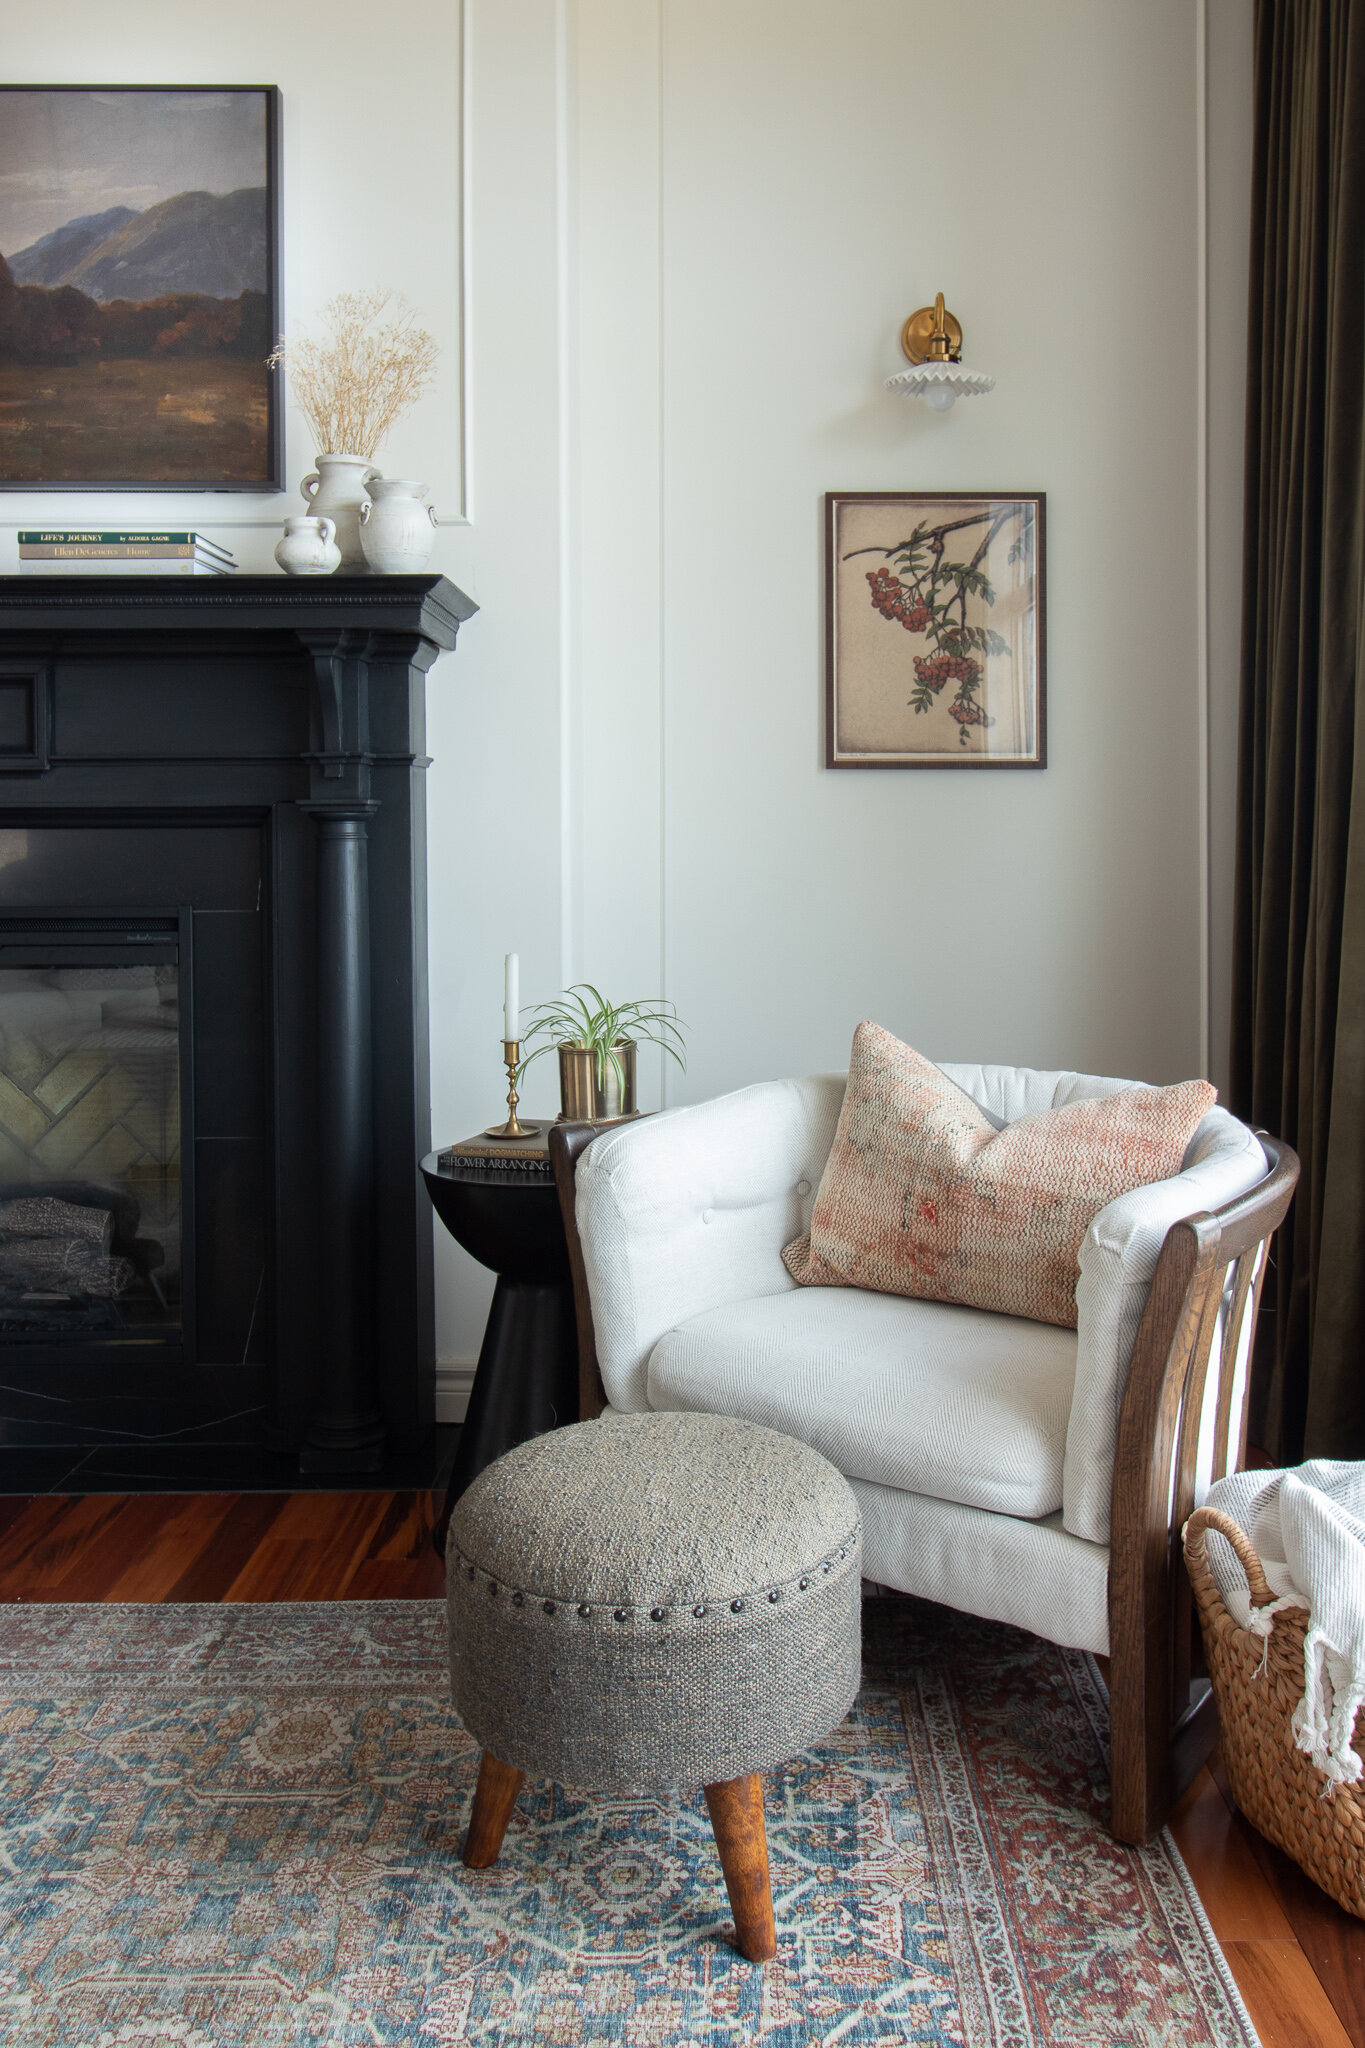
(940, 384)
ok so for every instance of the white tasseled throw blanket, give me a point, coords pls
(1307, 1526)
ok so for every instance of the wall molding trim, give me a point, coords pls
(454, 1380)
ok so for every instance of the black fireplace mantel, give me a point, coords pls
(248, 753)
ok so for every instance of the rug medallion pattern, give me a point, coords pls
(239, 1827)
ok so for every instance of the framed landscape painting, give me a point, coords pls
(139, 288)
(935, 642)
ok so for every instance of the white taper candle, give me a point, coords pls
(510, 995)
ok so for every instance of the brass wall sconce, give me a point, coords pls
(932, 339)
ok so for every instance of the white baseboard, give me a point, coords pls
(453, 1382)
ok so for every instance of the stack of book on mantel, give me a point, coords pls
(51, 553)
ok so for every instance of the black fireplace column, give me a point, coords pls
(346, 1429)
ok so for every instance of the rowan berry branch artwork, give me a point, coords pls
(962, 576)
(926, 591)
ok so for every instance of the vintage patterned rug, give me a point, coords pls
(238, 1827)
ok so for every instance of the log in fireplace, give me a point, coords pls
(213, 1028)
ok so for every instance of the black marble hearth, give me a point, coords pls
(215, 1253)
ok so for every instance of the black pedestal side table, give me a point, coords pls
(526, 1381)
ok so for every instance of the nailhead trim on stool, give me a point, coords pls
(685, 1602)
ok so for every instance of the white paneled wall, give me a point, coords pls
(1227, 216)
(746, 200)
(694, 228)
(823, 174)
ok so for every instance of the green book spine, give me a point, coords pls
(50, 537)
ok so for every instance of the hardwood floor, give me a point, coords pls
(219, 1546)
(1299, 1960)
(1296, 1956)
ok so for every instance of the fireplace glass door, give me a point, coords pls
(93, 1199)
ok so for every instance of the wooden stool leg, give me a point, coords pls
(494, 1797)
(736, 1809)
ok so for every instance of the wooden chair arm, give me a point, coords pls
(1156, 1447)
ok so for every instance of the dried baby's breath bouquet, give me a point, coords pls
(354, 387)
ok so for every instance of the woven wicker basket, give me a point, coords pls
(1277, 1787)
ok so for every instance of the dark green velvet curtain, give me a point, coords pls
(1298, 1028)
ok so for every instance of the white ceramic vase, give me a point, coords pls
(337, 489)
(397, 529)
(309, 547)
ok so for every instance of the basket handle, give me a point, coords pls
(1197, 1562)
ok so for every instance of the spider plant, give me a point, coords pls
(583, 1018)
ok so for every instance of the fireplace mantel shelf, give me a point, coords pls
(429, 605)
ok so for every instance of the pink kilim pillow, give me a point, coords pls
(923, 1195)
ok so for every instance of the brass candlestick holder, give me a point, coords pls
(511, 1050)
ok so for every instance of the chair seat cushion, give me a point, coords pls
(953, 1402)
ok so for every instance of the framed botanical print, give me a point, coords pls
(935, 641)
(139, 288)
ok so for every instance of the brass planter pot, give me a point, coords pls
(582, 1098)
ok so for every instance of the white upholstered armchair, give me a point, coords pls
(1012, 1469)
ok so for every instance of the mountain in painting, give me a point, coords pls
(214, 243)
(49, 259)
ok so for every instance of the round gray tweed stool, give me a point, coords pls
(652, 1603)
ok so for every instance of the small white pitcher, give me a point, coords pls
(309, 547)
(397, 527)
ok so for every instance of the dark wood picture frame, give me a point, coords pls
(946, 612)
(259, 465)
